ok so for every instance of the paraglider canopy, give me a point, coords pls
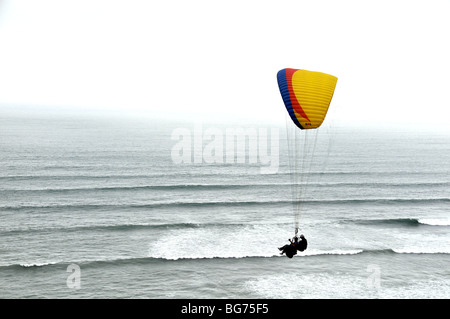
(306, 95)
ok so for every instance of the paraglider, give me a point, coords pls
(291, 250)
(307, 96)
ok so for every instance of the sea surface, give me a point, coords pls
(103, 207)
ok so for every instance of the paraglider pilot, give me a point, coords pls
(291, 249)
(302, 244)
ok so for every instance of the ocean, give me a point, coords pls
(102, 206)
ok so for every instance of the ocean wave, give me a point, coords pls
(157, 259)
(30, 265)
(311, 253)
(175, 204)
(420, 250)
(215, 186)
(194, 187)
(407, 222)
(181, 204)
(396, 222)
(120, 227)
(68, 174)
(268, 255)
(72, 177)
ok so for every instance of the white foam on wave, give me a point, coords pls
(423, 250)
(212, 242)
(434, 221)
(239, 242)
(262, 240)
(332, 252)
(28, 265)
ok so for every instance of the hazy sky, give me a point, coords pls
(221, 57)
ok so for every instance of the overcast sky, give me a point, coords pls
(209, 58)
